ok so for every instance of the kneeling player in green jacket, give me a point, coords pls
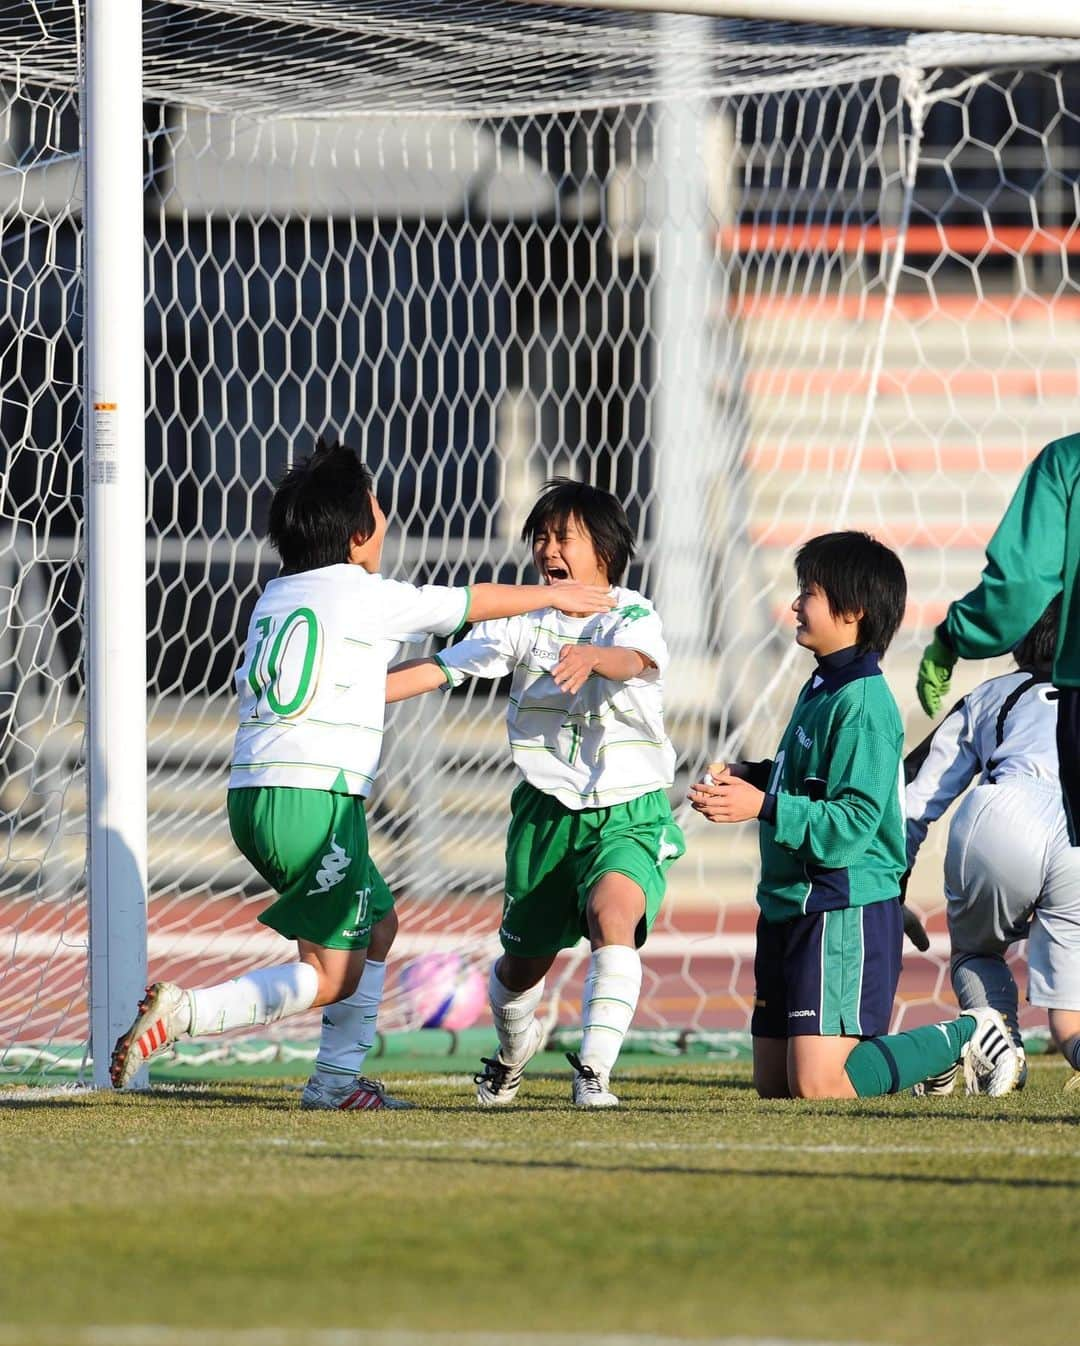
(1033, 557)
(831, 834)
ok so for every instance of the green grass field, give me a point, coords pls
(201, 1214)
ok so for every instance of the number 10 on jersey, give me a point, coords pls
(285, 667)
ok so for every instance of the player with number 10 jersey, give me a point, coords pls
(312, 687)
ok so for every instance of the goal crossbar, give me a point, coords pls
(1040, 18)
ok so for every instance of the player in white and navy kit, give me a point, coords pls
(1010, 872)
(312, 696)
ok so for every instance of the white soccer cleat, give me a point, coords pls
(1072, 1084)
(937, 1086)
(164, 1015)
(498, 1083)
(590, 1089)
(354, 1094)
(991, 1059)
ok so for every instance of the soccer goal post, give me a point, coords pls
(1045, 18)
(760, 279)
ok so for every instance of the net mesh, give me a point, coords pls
(759, 280)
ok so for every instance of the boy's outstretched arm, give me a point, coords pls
(1025, 566)
(413, 678)
(488, 601)
(577, 663)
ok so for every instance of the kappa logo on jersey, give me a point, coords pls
(633, 611)
(332, 868)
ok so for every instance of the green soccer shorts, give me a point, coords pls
(311, 847)
(555, 856)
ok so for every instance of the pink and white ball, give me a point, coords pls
(442, 990)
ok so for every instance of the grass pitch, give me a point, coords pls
(204, 1214)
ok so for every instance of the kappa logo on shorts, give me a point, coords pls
(332, 868)
(667, 851)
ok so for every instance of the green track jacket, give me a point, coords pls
(1033, 556)
(836, 835)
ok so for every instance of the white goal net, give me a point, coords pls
(759, 280)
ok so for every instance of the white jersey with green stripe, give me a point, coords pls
(607, 744)
(312, 683)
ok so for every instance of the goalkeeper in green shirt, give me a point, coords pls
(832, 846)
(1033, 557)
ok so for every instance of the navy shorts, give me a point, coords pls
(829, 973)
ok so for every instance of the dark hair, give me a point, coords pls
(597, 511)
(1037, 648)
(857, 573)
(317, 507)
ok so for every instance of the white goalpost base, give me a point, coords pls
(759, 280)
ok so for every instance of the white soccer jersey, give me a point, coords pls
(1005, 728)
(312, 684)
(606, 744)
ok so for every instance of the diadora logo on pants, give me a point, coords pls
(332, 868)
(802, 1014)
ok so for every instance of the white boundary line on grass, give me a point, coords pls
(402, 1146)
(150, 1334)
(620, 1144)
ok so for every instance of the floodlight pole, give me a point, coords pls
(115, 501)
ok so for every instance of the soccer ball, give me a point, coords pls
(442, 990)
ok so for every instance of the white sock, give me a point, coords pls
(348, 1027)
(259, 997)
(987, 980)
(513, 1012)
(609, 1000)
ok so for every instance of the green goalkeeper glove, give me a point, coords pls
(935, 674)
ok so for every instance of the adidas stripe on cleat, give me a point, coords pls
(359, 1094)
(164, 1015)
(991, 1060)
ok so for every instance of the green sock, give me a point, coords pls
(889, 1064)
